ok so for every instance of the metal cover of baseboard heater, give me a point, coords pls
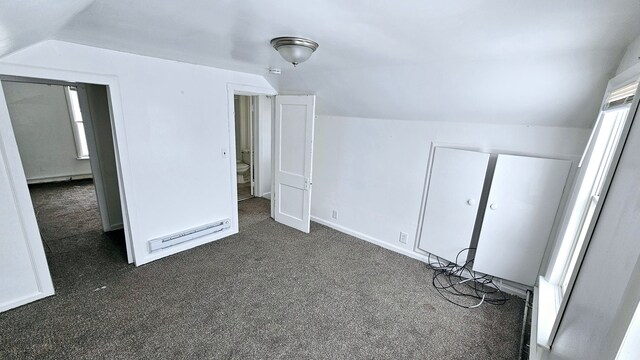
(178, 238)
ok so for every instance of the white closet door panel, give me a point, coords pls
(523, 202)
(455, 187)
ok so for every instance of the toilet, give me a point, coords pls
(242, 166)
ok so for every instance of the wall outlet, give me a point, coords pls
(403, 237)
(334, 214)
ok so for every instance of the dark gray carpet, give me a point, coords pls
(65, 209)
(269, 292)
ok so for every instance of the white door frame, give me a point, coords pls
(234, 89)
(94, 159)
(253, 139)
(262, 169)
(14, 163)
(96, 167)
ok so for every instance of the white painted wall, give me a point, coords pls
(42, 127)
(175, 126)
(373, 171)
(631, 56)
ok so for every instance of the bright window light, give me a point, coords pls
(77, 122)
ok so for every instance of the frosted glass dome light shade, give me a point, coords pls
(293, 49)
(295, 54)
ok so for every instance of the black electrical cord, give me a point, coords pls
(454, 281)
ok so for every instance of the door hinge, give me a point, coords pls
(307, 183)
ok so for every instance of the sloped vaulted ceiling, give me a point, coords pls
(542, 62)
(26, 22)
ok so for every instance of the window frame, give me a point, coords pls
(565, 267)
(556, 285)
(79, 134)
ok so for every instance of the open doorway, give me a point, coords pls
(65, 141)
(253, 146)
(282, 153)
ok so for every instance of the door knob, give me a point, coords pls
(493, 206)
(471, 202)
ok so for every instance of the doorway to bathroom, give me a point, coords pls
(253, 146)
(280, 152)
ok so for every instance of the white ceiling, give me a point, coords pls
(534, 62)
(25, 22)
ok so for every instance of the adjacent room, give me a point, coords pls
(64, 137)
(332, 180)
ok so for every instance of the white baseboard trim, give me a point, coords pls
(43, 180)
(23, 301)
(267, 195)
(370, 239)
(504, 285)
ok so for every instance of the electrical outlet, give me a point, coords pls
(334, 214)
(403, 237)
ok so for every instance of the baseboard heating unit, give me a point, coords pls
(186, 235)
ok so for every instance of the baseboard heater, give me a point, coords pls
(186, 235)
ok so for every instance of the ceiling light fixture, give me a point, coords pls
(295, 50)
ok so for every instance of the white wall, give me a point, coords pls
(42, 127)
(175, 127)
(373, 171)
(631, 56)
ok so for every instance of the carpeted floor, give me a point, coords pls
(270, 292)
(65, 209)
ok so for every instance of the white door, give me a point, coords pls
(523, 202)
(453, 195)
(295, 115)
(24, 272)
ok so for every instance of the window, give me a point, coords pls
(77, 122)
(595, 167)
(583, 207)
